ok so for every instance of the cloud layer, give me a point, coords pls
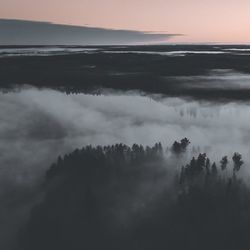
(20, 32)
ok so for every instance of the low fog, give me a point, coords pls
(38, 125)
(217, 79)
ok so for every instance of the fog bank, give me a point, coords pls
(45, 123)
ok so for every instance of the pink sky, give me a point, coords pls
(223, 21)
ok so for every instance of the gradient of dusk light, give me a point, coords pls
(201, 21)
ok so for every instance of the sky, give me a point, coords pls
(201, 21)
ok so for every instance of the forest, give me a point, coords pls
(121, 197)
(110, 68)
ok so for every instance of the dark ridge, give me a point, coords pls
(90, 72)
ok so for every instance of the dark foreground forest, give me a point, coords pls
(120, 197)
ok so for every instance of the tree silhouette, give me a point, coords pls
(214, 169)
(238, 162)
(208, 166)
(180, 147)
(223, 163)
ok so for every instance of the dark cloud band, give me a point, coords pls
(21, 32)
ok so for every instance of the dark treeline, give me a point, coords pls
(120, 197)
(149, 73)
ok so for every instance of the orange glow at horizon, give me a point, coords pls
(201, 21)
